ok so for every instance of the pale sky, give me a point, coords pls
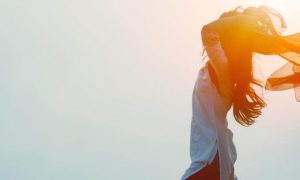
(102, 90)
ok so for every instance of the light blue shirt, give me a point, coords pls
(209, 126)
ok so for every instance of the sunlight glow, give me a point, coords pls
(286, 7)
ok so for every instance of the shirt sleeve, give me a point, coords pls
(218, 59)
(287, 76)
(264, 41)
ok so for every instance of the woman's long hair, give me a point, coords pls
(247, 105)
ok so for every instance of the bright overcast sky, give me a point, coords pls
(102, 90)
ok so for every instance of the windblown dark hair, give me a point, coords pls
(247, 105)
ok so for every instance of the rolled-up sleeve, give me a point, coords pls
(218, 59)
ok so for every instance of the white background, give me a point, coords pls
(96, 90)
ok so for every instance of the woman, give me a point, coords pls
(226, 81)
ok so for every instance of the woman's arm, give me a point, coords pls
(249, 28)
(264, 43)
(218, 60)
(224, 24)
